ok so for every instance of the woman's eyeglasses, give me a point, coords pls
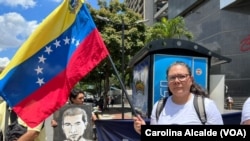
(180, 77)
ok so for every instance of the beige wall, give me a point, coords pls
(217, 85)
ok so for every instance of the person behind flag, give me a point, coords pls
(245, 114)
(76, 97)
(179, 104)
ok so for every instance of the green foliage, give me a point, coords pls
(173, 28)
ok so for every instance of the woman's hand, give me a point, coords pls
(138, 121)
(53, 123)
(94, 117)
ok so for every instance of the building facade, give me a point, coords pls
(222, 26)
(152, 10)
(225, 29)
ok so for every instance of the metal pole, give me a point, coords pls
(100, 89)
(122, 85)
(123, 67)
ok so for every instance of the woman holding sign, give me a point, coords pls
(179, 107)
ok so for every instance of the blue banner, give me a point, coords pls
(116, 130)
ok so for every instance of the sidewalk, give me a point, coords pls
(116, 111)
(230, 111)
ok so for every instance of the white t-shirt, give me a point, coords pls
(185, 114)
(245, 114)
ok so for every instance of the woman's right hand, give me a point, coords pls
(138, 122)
(53, 123)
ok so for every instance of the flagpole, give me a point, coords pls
(123, 76)
(123, 87)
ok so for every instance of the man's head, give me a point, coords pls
(74, 123)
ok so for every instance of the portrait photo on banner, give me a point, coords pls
(74, 123)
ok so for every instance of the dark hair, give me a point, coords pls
(182, 64)
(74, 93)
(195, 88)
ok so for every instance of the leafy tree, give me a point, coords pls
(173, 28)
(111, 31)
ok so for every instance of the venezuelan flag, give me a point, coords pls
(61, 51)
